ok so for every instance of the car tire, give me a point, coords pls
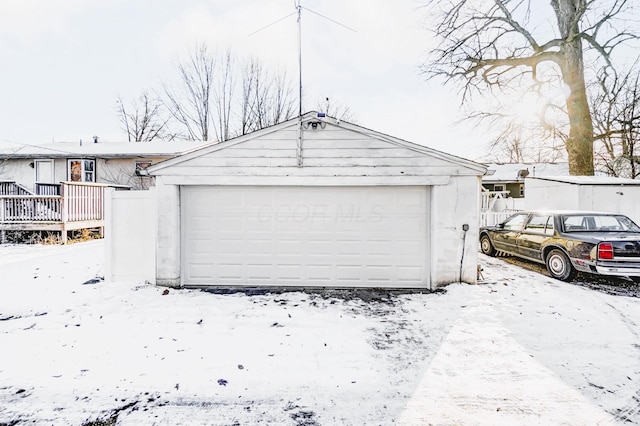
(486, 247)
(559, 265)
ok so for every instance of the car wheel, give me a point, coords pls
(559, 266)
(486, 246)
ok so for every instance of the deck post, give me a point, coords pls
(63, 212)
(63, 203)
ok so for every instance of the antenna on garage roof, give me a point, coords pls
(298, 12)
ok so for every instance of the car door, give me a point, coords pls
(537, 229)
(505, 239)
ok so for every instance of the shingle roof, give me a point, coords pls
(510, 172)
(100, 149)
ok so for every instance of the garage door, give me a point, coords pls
(305, 236)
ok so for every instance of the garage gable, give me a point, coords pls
(316, 150)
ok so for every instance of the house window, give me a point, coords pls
(81, 170)
(140, 166)
(498, 188)
(521, 190)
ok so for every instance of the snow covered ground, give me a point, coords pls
(523, 350)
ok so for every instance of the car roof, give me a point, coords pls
(570, 212)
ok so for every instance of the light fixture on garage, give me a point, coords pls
(314, 124)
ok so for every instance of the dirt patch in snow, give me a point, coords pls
(609, 285)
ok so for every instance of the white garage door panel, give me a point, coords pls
(305, 236)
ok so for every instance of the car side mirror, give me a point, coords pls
(501, 225)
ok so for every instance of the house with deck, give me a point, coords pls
(36, 167)
(61, 186)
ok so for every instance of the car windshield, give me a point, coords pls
(598, 223)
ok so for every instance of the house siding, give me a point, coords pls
(116, 171)
(18, 171)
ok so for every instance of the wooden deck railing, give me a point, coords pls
(8, 187)
(48, 188)
(77, 202)
(79, 206)
(82, 202)
(30, 208)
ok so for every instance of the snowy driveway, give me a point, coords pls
(525, 350)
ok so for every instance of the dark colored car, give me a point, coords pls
(569, 241)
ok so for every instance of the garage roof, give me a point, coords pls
(314, 141)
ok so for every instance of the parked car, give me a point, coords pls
(569, 241)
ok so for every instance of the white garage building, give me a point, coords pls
(313, 202)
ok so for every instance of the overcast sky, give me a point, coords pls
(65, 62)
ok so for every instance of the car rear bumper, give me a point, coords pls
(619, 269)
(625, 270)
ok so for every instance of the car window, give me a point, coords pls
(606, 223)
(514, 223)
(598, 223)
(540, 224)
(627, 224)
(574, 223)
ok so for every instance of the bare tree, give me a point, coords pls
(515, 147)
(503, 44)
(207, 103)
(143, 119)
(335, 110)
(124, 174)
(267, 97)
(523, 136)
(223, 95)
(190, 105)
(616, 112)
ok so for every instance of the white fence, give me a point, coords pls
(493, 218)
(130, 236)
(495, 207)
